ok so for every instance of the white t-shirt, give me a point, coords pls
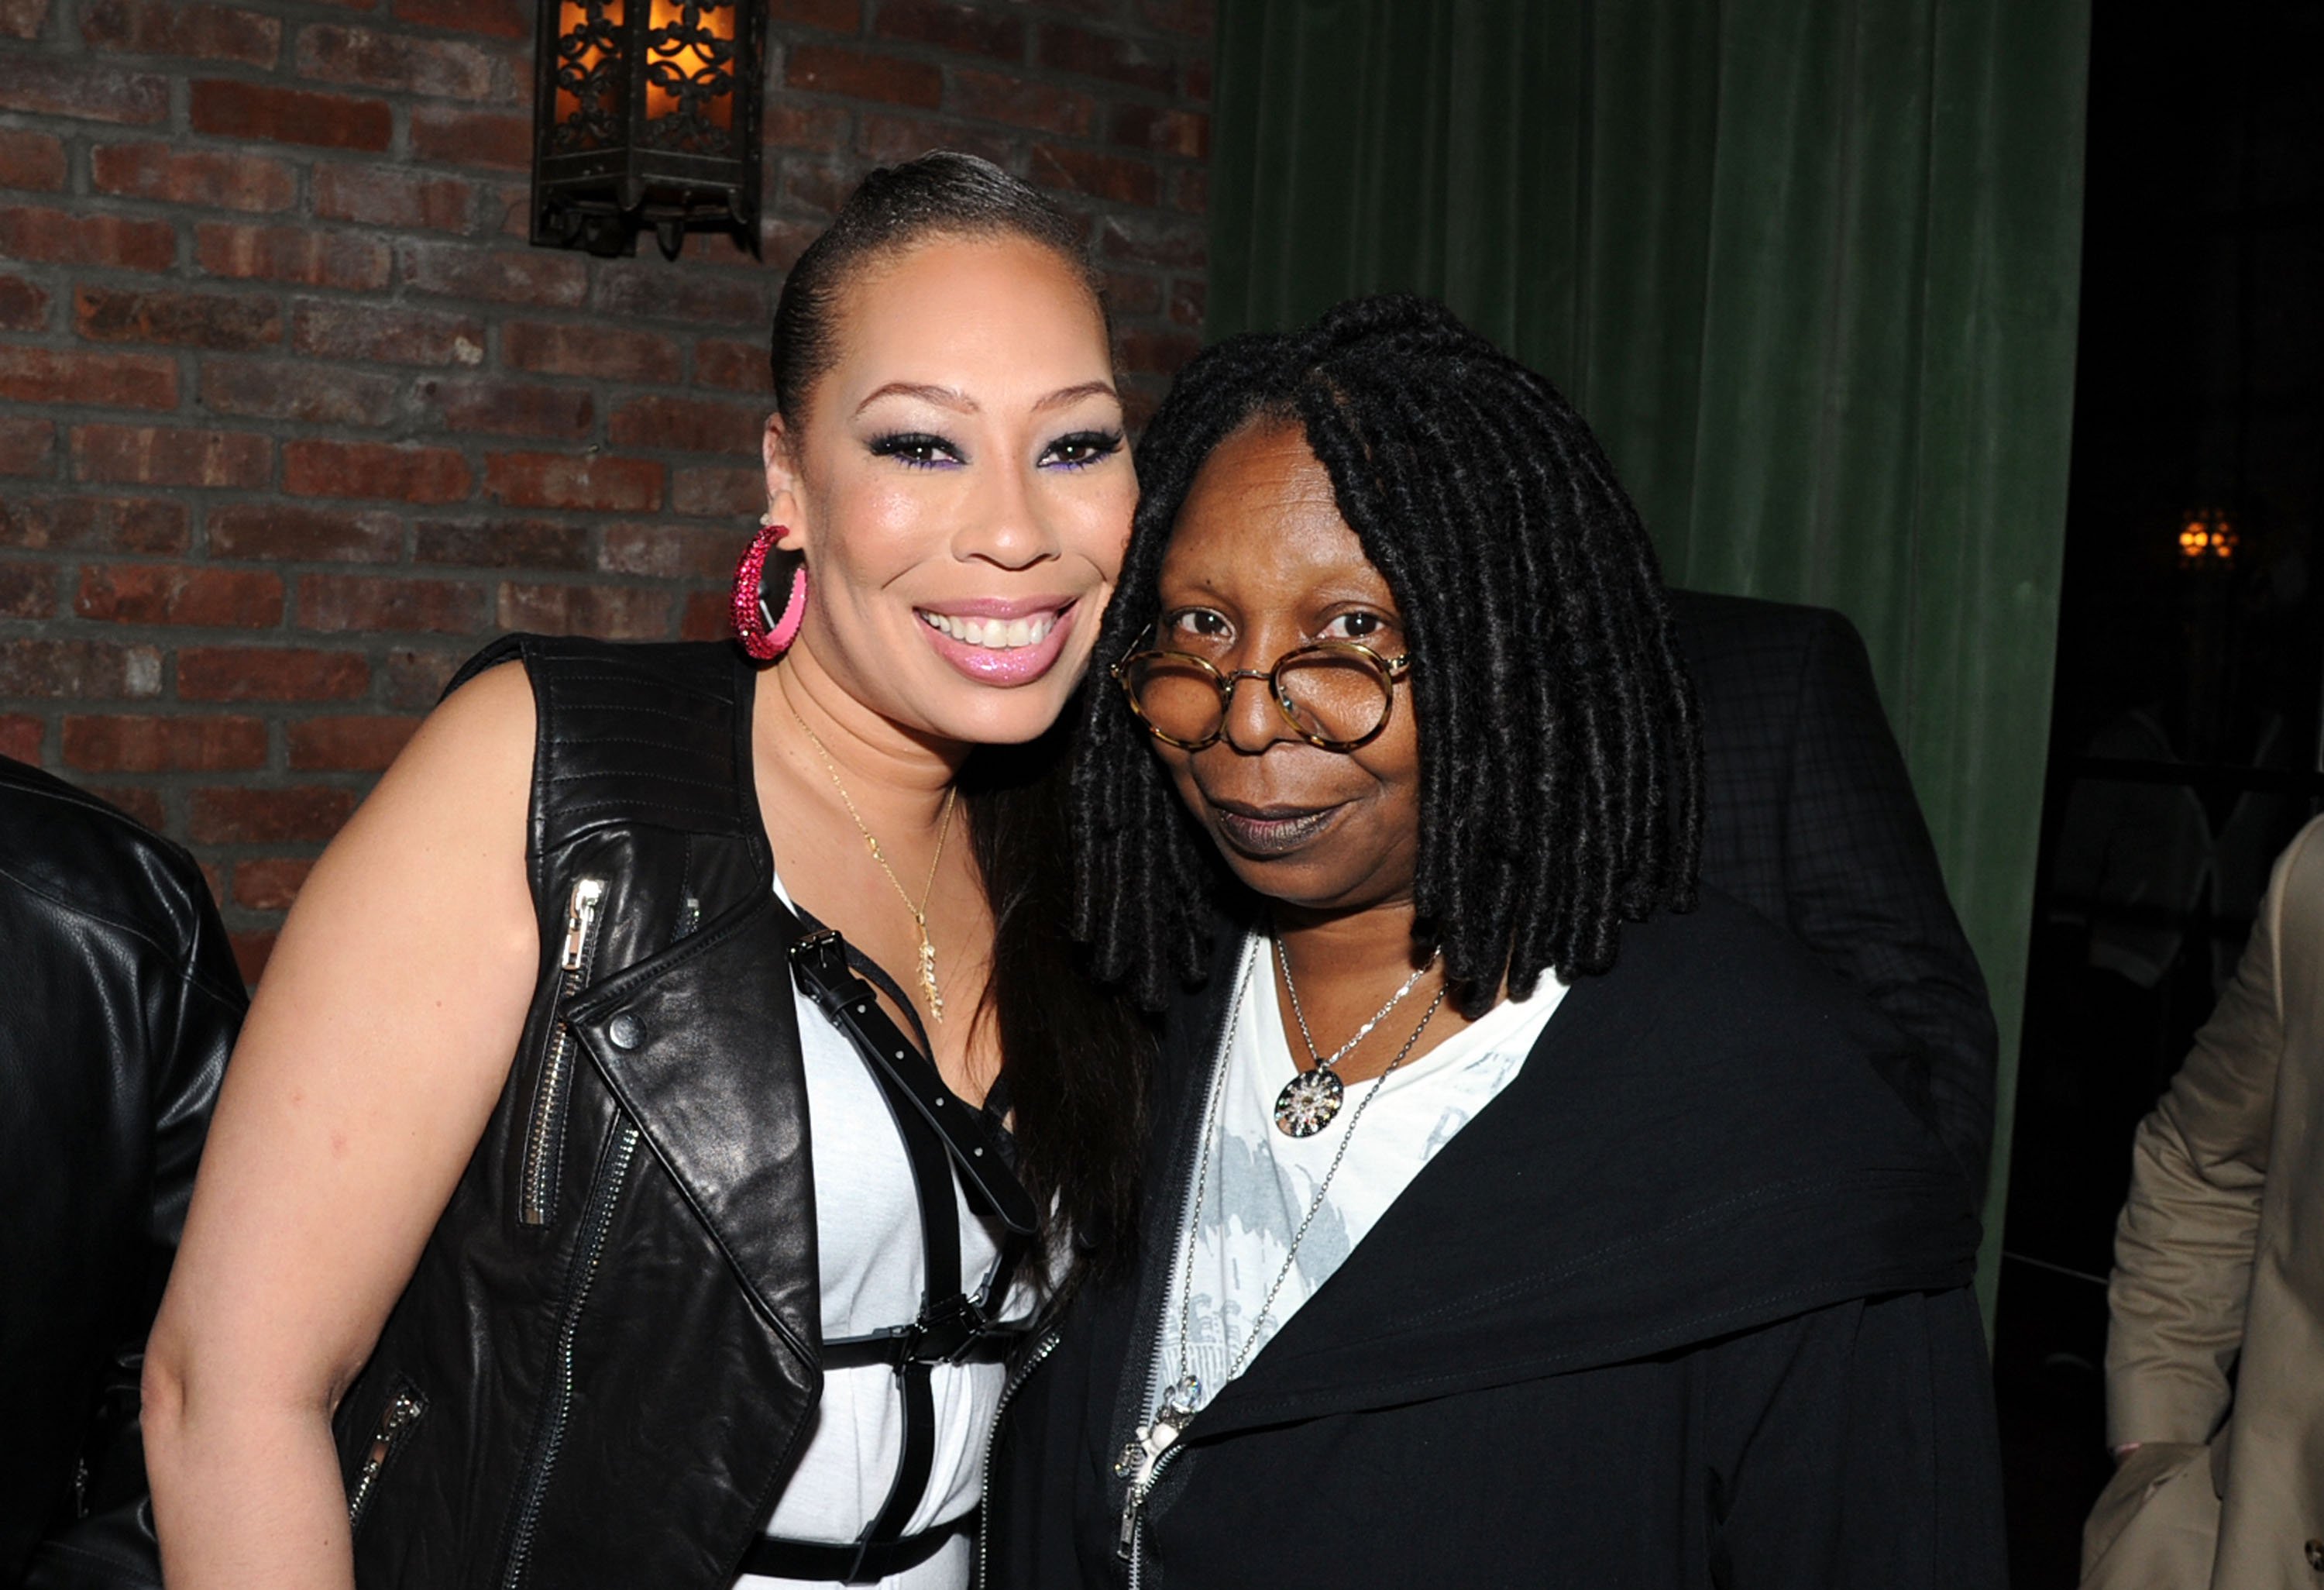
(870, 1269)
(1261, 1182)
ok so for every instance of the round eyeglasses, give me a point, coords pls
(1336, 695)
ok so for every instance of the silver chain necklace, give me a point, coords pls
(1183, 1398)
(1311, 1098)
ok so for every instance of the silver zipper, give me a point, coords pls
(1133, 1517)
(544, 1142)
(594, 1227)
(1033, 1361)
(395, 1422)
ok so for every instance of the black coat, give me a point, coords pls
(122, 1002)
(1810, 819)
(1686, 1306)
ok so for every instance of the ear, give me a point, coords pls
(786, 498)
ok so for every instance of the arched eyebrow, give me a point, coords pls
(959, 401)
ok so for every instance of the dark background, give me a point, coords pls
(2200, 386)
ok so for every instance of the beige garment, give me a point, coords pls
(2220, 1272)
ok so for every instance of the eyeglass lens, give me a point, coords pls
(1337, 696)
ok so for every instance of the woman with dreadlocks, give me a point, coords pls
(1515, 1214)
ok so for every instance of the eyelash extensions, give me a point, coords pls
(913, 448)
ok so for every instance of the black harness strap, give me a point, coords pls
(939, 1133)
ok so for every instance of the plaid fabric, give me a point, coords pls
(1810, 819)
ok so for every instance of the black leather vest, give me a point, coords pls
(605, 1361)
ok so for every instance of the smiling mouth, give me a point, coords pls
(996, 633)
(1264, 832)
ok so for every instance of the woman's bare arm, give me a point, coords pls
(375, 1051)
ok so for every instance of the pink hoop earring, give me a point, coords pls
(764, 634)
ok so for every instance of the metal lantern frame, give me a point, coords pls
(627, 96)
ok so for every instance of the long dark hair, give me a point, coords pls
(1076, 1053)
(1561, 781)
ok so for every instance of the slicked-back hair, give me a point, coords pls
(1074, 1051)
(1561, 788)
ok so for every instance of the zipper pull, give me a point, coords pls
(578, 916)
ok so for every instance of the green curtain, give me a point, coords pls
(1807, 266)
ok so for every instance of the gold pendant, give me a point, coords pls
(928, 989)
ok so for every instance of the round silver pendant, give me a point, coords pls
(1308, 1101)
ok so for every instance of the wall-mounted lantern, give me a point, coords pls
(646, 119)
(2206, 538)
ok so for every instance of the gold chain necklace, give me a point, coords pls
(928, 989)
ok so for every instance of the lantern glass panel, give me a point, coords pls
(588, 106)
(690, 75)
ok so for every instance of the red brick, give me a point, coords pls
(839, 16)
(610, 613)
(1154, 241)
(253, 949)
(501, 543)
(689, 425)
(215, 178)
(860, 74)
(561, 480)
(719, 494)
(144, 805)
(26, 446)
(1190, 190)
(1130, 292)
(226, 109)
(293, 533)
(27, 590)
(782, 240)
(1006, 96)
(397, 63)
(708, 615)
(738, 366)
(70, 375)
(341, 602)
(191, 320)
(347, 745)
(81, 523)
(1112, 176)
(389, 336)
(47, 85)
(498, 19)
(346, 260)
(174, 27)
(1188, 303)
(296, 389)
(605, 351)
(790, 123)
(183, 594)
(32, 160)
(24, 305)
(400, 474)
(696, 299)
(511, 408)
(270, 883)
(885, 140)
(20, 736)
(672, 552)
(414, 679)
(153, 455)
(1194, 18)
(238, 815)
(533, 277)
(1157, 353)
(23, 19)
(1198, 79)
(501, 139)
(383, 196)
(1068, 49)
(147, 744)
(820, 186)
(267, 673)
(1165, 129)
(82, 670)
(953, 27)
(59, 237)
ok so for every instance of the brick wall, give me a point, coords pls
(291, 417)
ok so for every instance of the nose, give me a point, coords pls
(1002, 523)
(1253, 721)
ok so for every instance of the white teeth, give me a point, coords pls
(994, 634)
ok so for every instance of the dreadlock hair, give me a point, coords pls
(1559, 747)
(1075, 1052)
